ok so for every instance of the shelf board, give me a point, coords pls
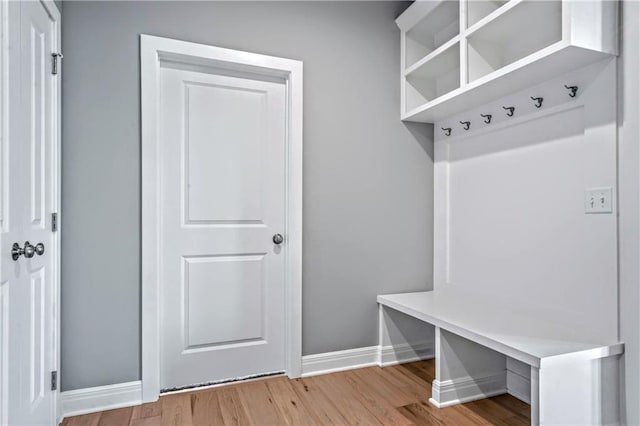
(477, 10)
(536, 68)
(434, 78)
(510, 20)
(432, 57)
(493, 16)
(488, 48)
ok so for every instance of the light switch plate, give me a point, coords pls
(598, 200)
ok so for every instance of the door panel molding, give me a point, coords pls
(198, 199)
(199, 303)
(38, 334)
(157, 53)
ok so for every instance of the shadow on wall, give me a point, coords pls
(423, 134)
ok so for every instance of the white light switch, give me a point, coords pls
(598, 200)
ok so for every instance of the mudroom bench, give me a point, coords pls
(574, 377)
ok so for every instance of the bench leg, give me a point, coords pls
(576, 390)
(466, 371)
(535, 396)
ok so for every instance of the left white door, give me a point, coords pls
(28, 284)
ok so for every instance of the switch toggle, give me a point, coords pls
(598, 200)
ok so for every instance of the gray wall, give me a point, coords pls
(367, 176)
(629, 207)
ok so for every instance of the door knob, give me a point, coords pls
(16, 251)
(28, 251)
(278, 239)
(39, 249)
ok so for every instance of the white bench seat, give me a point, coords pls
(572, 372)
(523, 332)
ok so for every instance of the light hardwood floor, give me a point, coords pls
(369, 396)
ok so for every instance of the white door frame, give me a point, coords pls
(56, 129)
(154, 51)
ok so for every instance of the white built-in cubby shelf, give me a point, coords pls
(459, 54)
(432, 31)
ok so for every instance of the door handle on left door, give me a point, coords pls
(277, 239)
(16, 251)
(28, 251)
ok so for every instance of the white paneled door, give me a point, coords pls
(222, 220)
(28, 290)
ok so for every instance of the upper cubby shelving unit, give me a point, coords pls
(458, 54)
(432, 31)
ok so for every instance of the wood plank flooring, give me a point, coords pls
(395, 395)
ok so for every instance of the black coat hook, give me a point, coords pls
(465, 124)
(538, 103)
(447, 131)
(487, 118)
(572, 90)
(509, 110)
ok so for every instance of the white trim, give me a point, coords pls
(56, 93)
(466, 389)
(332, 362)
(4, 143)
(101, 398)
(153, 50)
(351, 359)
(405, 352)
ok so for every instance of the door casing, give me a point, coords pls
(56, 98)
(154, 51)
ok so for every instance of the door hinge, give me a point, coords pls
(54, 380)
(54, 62)
(54, 222)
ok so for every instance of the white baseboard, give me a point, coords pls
(403, 353)
(451, 392)
(350, 359)
(100, 398)
(91, 400)
(331, 362)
